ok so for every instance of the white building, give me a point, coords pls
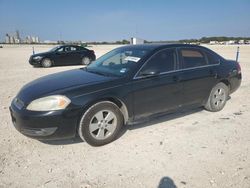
(241, 42)
(136, 41)
(37, 40)
(231, 42)
(213, 42)
(33, 39)
(50, 42)
(7, 39)
(12, 40)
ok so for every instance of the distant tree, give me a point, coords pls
(125, 41)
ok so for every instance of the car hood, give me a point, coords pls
(59, 81)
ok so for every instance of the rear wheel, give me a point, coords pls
(101, 123)
(86, 60)
(46, 63)
(217, 98)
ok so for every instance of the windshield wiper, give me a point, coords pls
(97, 72)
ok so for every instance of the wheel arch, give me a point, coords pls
(121, 105)
(48, 57)
(226, 82)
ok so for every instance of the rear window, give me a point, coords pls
(192, 58)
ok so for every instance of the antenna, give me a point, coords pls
(237, 53)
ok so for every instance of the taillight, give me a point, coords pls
(92, 51)
(238, 68)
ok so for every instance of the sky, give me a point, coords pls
(111, 20)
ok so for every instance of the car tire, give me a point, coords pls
(217, 98)
(101, 123)
(86, 60)
(46, 63)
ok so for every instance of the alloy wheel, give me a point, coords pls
(103, 124)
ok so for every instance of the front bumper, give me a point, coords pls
(34, 62)
(45, 125)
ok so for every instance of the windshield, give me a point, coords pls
(55, 48)
(117, 62)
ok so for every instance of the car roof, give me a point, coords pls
(153, 46)
(67, 45)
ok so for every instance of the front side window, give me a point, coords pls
(117, 62)
(72, 48)
(163, 61)
(192, 58)
(67, 48)
(61, 49)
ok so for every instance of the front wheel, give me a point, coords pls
(46, 63)
(217, 98)
(101, 123)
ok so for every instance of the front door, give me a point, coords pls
(60, 56)
(72, 55)
(156, 87)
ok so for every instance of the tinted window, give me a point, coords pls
(192, 58)
(72, 48)
(212, 59)
(163, 61)
(67, 48)
(61, 49)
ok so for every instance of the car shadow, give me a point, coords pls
(74, 140)
(54, 66)
(162, 118)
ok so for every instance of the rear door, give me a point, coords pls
(197, 74)
(161, 92)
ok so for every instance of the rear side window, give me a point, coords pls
(212, 59)
(192, 58)
(162, 61)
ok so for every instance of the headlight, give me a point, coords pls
(37, 57)
(53, 102)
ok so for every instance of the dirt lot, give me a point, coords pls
(193, 149)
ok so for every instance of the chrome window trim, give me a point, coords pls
(178, 70)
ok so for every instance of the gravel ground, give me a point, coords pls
(191, 149)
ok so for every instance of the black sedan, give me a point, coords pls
(63, 55)
(127, 84)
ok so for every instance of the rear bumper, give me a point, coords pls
(92, 57)
(235, 82)
(44, 125)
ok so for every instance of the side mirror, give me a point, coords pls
(150, 73)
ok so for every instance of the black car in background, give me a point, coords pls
(127, 84)
(63, 55)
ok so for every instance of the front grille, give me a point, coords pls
(18, 103)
